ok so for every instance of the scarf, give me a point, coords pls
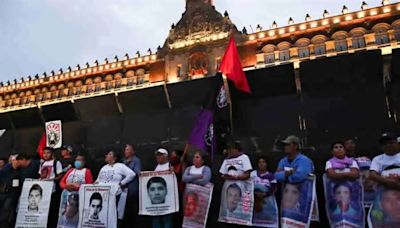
(341, 163)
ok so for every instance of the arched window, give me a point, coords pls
(381, 37)
(319, 44)
(284, 53)
(396, 28)
(303, 47)
(340, 41)
(269, 53)
(357, 37)
(381, 33)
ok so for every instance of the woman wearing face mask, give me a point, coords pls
(73, 179)
(71, 182)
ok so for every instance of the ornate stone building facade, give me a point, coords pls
(195, 45)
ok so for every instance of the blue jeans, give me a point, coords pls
(163, 221)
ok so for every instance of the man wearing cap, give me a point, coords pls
(162, 160)
(295, 167)
(162, 221)
(67, 161)
(385, 168)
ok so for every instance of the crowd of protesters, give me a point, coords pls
(69, 173)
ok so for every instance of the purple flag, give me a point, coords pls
(202, 136)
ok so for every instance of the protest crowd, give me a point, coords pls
(57, 190)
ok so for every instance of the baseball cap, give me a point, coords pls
(66, 147)
(162, 151)
(291, 139)
(386, 137)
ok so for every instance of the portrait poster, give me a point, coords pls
(315, 209)
(265, 212)
(297, 203)
(197, 200)
(68, 214)
(34, 204)
(237, 201)
(344, 202)
(158, 193)
(385, 211)
(369, 185)
(54, 134)
(97, 206)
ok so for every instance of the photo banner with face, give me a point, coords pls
(297, 203)
(265, 213)
(369, 185)
(197, 200)
(385, 211)
(344, 204)
(97, 206)
(34, 204)
(68, 215)
(158, 193)
(237, 201)
(53, 134)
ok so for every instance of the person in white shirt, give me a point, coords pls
(51, 170)
(164, 221)
(162, 160)
(390, 159)
(237, 165)
(115, 172)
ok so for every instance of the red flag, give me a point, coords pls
(42, 145)
(231, 67)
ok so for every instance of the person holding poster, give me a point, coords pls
(34, 204)
(298, 195)
(385, 170)
(198, 173)
(343, 189)
(119, 174)
(157, 189)
(364, 163)
(389, 159)
(68, 214)
(97, 206)
(340, 167)
(12, 177)
(197, 197)
(265, 212)
(51, 170)
(237, 192)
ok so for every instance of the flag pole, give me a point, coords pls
(228, 94)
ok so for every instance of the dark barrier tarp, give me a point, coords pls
(272, 108)
(146, 114)
(5, 121)
(395, 82)
(62, 111)
(26, 118)
(6, 143)
(100, 120)
(343, 96)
